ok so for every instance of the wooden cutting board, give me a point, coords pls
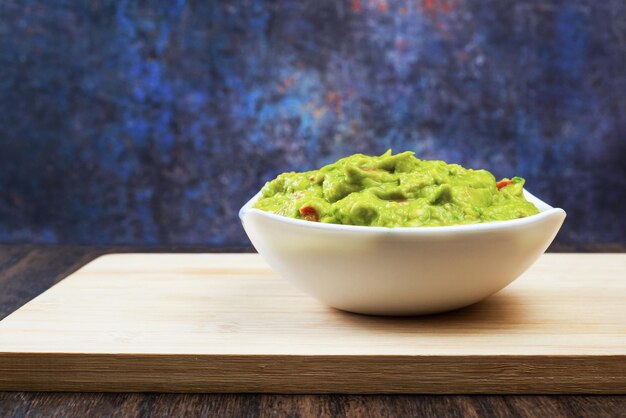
(227, 323)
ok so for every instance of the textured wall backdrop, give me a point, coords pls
(153, 121)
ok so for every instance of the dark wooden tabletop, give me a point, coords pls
(26, 271)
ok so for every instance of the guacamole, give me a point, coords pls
(395, 191)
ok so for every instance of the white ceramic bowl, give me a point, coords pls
(401, 271)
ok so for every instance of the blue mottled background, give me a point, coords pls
(153, 121)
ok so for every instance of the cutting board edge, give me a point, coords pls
(481, 374)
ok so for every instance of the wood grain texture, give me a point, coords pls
(47, 264)
(27, 271)
(52, 405)
(226, 323)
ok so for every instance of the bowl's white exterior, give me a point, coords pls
(401, 271)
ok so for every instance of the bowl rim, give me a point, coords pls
(545, 211)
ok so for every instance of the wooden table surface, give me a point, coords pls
(26, 271)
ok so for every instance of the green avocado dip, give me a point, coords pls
(395, 191)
